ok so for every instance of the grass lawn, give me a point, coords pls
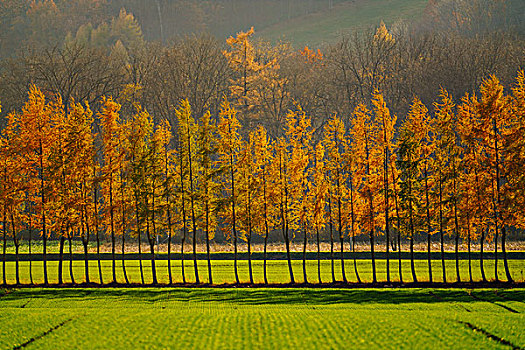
(277, 271)
(262, 318)
(326, 26)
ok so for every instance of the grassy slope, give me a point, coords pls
(277, 271)
(319, 28)
(262, 318)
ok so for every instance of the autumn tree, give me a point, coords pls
(187, 135)
(299, 133)
(334, 144)
(111, 129)
(228, 149)
(368, 157)
(386, 123)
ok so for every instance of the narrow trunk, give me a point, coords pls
(267, 232)
(86, 260)
(72, 277)
(284, 214)
(98, 257)
(498, 188)
(210, 277)
(469, 257)
(412, 233)
(234, 229)
(352, 213)
(318, 257)
(481, 242)
(387, 219)
(331, 236)
(61, 259)
(341, 239)
(17, 248)
(113, 266)
(153, 262)
(441, 234)
(305, 242)
(429, 228)
(398, 219)
(504, 251)
(123, 257)
(151, 241)
(140, 257)
(250, 271)
(4, 252)
(30, 255)
(95, 202)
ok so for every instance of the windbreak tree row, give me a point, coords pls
(449, 171)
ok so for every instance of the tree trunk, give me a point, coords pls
(267, 230)
(86, 260)
(331, 236)
(140, 257)
(4, 253)
(124, 257)
(481, 242)
(469, 257)
(504, 251)
(429, 228)
(61, 259)
(70, 259)
(250, 271)
(441, 234)
(98, 258)
(412, 233)
(153, 262)
(151, 241)
(498, 188)
(17, 248)
(318, 257)
(210, 276)
(30, 255)
(305, 242)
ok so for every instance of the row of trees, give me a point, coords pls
(453, 171)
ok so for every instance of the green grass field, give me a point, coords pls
(262, 318)
(326, 26)
(277, 271)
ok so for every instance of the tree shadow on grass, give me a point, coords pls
(276, 296)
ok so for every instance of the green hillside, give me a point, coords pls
(317, 29)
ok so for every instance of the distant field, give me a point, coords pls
(277, 271)
(262, 318)
(324, 27)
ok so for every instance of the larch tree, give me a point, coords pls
(386, 123)
(207, 184)
(262, 204)
(284, 201)
(514, 149)
(247, 216)
(354, 200)
(445, 170)
(111, 130)
(368, 157)
(187, 137)
(139, 135)
(228, 150)
(37, 124)
(299, 133)
(318, 199)
(334, 144)
(493, 110)
(411, 163)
